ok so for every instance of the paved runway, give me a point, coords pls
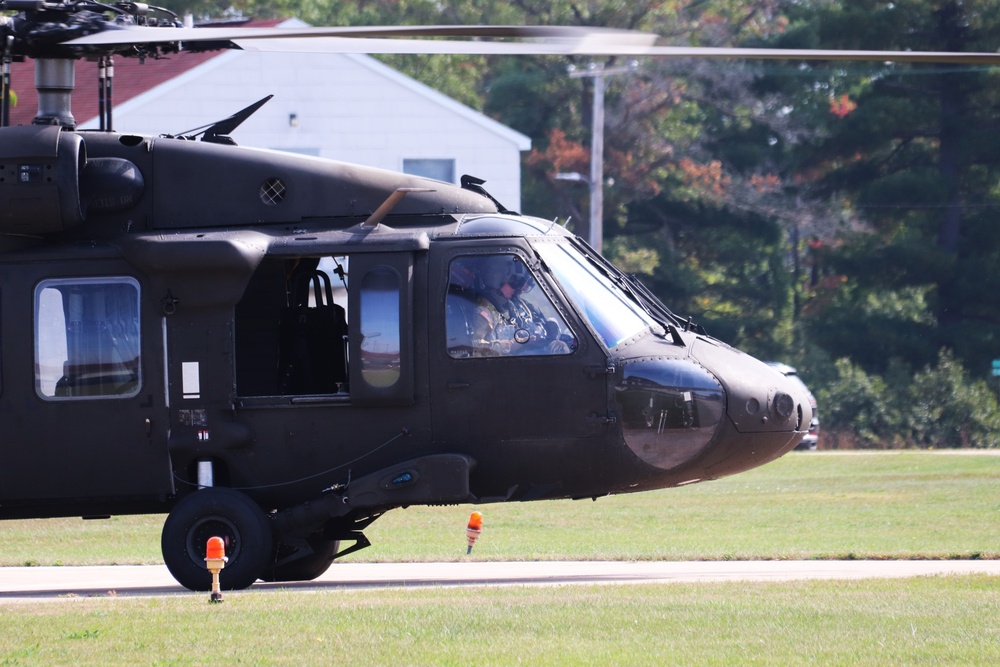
(54, 583)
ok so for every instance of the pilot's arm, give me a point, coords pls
(485, 335)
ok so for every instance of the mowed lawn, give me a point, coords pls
(806, 505)
(900, 504)
(922, 621)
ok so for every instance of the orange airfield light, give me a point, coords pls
(215, 560)
(473, 530)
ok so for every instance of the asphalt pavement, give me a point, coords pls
(67, 583)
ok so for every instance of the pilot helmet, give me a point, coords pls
(496, 271)
(520, 278)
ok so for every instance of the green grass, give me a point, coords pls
(805, 505)
(809, 505)
(934, 620)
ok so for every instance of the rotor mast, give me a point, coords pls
(44, 30)
(55, 79)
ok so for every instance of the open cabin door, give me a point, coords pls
(327, 372)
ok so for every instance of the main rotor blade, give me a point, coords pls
(116, 35)
(983, 58)
(598, 45)
(592, 44)
(541, 40)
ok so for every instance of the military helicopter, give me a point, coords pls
(277, 349)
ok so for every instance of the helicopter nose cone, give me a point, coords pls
(760, 399)
(767, 413)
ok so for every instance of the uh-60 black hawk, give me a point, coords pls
(277, 349)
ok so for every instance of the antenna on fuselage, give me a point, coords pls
(219, 131)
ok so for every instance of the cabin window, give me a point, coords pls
(495, 308)
(380, 328)
(382, 343)
(87, 338)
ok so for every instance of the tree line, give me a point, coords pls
(841, 217)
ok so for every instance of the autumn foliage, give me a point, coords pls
(842, 106)
(560, 155)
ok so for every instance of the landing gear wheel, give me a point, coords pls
(225, 513)
(307, 567)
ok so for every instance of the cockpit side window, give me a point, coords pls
(494, 308)
(87, 338)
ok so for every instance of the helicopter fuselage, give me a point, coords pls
(177, 316)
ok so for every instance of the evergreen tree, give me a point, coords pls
(911, 150)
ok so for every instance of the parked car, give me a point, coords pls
(812, 438)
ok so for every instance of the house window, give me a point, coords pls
(87, 338)
(438, 169)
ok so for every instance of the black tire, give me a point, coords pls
(307, 567)
(225, 513)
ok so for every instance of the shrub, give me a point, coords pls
(947, 409)
(935, 407)
(859, 406)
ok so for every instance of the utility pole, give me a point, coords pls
(598, 72)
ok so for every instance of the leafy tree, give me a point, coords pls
(859, 410)
(947, 409)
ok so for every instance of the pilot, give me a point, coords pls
(544, 335)
(525, 311)
(460, 307)
(508, 324)
(495, 325)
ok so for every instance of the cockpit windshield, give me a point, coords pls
(609, 310)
